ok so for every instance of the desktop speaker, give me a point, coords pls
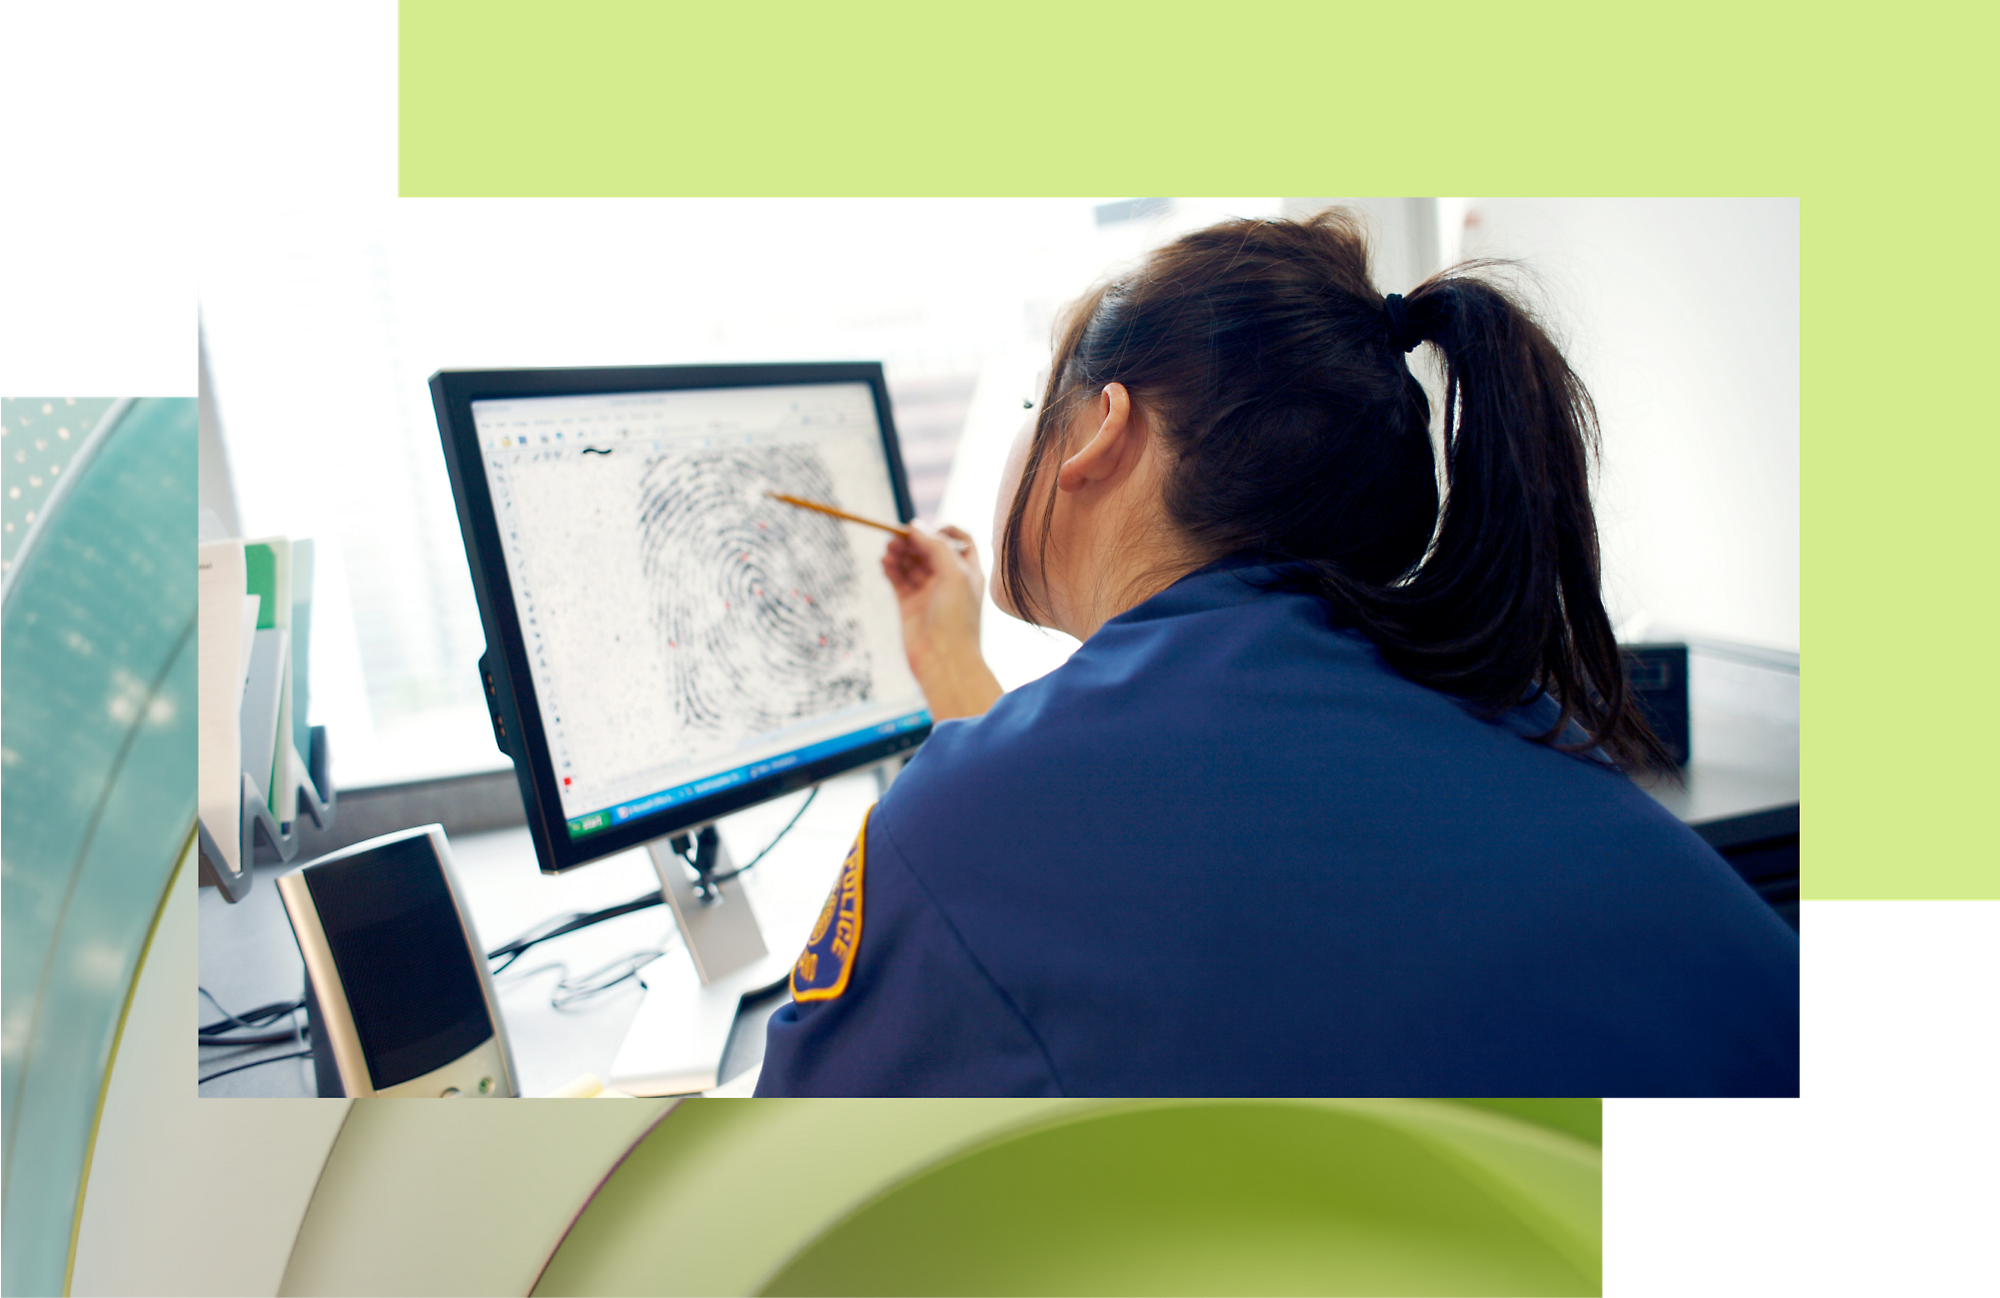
(397, 988)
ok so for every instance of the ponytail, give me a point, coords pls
(1507, 600)
(1277, 375)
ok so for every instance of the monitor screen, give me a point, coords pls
(678, 644)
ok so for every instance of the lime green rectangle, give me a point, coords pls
(637, 97)
(1877, 125)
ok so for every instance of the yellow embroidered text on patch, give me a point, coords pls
(822, 969)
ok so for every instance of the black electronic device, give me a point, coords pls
(669, 641)
(1658, 677)
(666, 643)
(399, 999)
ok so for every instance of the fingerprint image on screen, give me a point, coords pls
(753, 599)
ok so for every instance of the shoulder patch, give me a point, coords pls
(822, 968)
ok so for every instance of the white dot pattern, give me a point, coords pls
(37, 438)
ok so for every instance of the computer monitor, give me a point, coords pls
(666, 643)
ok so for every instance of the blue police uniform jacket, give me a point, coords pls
(1227, 850)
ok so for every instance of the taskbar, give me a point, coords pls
(597, 822)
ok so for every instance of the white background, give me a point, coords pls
(1880, 1180)
(1683, 318)
(323, 316)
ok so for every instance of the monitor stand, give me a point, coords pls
(676, 1041)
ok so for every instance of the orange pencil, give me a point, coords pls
(897, 528)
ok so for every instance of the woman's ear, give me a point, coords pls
(1111, 447)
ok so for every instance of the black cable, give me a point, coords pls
(539, 931)
(727, 875)
(511, 951)
(251, 1020)
(229, 1020)
(263, 1039)
(257, 1063)
(262, 1016)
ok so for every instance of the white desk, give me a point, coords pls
(249, 958)
(1740, 789)
(1744, 736)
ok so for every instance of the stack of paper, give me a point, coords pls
(268, 572)
(264, 700)
(255, 614)
(302, 584)
(223, 662)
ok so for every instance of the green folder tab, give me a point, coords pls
(267, 573)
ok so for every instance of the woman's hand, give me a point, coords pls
(938, 588)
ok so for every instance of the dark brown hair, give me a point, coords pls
(1261, 354)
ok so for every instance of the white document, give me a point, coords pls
(263, 710)
(277, 613)
(301, 626)
(251, 605)
(223, 659)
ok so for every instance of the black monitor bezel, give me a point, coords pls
(509, 687)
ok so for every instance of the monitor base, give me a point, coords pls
(715, 920)
(676, 1042)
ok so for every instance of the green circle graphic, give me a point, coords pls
(1168, 1197)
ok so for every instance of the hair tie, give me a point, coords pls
(1401, 336)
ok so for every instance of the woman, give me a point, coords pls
(1333, 798)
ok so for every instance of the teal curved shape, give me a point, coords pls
(97, 751)
(38, 440)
